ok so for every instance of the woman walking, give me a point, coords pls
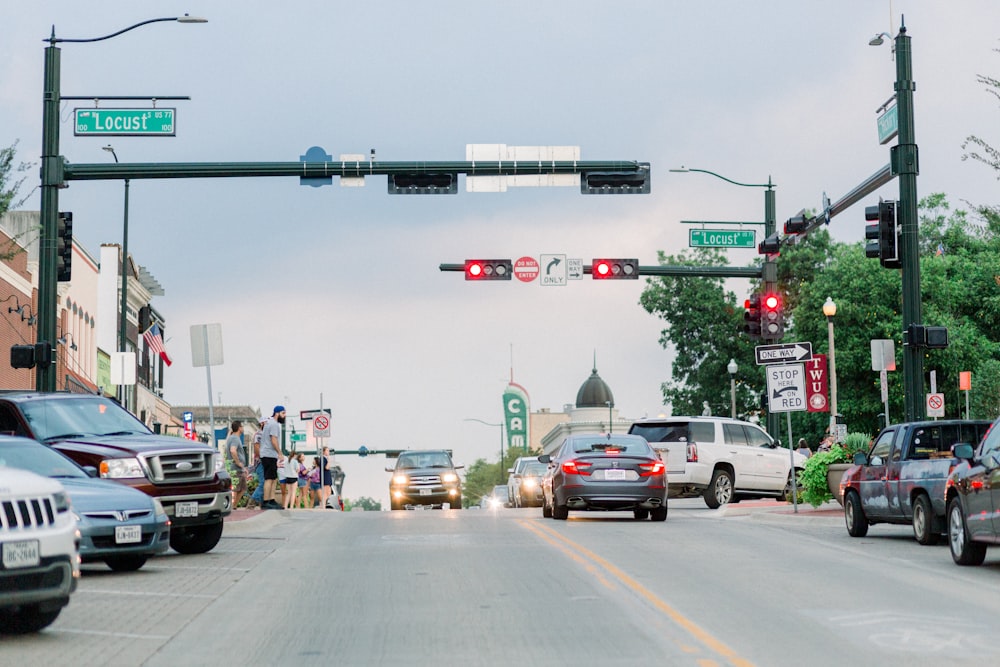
(290, 483)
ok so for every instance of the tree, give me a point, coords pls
(480, 478)
(989, 156)
(365, 503)
(10, 185)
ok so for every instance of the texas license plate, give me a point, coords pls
(615, 474)
(128, 534)
(425, 492)
(21, 554)
(186, 509)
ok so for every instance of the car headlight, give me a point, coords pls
(400, 480)
(530, 483)
(121, 468)
(449, 477)
(219, 462)
(61, 500)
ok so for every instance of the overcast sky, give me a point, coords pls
(336, 291)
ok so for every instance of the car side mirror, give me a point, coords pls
(963, 450)
(860, 459)
(459, 467)
(544, 458)
(390, 470)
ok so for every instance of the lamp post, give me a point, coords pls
(769, 270)
(51, 181)
(830, 309)
(732, 368)
(123, 321)
(473, 419)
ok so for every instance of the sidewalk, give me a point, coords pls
(773, 510)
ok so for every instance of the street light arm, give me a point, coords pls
(473, 419)
(53, 40)
(767, 185)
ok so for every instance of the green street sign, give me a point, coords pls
(888, 125)
(124, 122)
(298, 437)
(722, 238)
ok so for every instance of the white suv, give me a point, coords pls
(719, 459)
(39, 542)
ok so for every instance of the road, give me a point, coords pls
(736, 586)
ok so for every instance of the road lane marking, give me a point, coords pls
(109, 591)
(706, 639)
(124, 635)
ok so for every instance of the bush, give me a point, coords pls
(812, 479)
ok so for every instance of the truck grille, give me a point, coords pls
(27, 513)
(180, 467)
(425, 480)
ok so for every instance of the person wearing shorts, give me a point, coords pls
(303, 480)
(270, 450)
(290, 483)
(315, 485)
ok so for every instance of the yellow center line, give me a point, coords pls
(713, 644)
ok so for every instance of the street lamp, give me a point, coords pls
(830, 309)
(473, 419)
(732, 368)
(51, 181)
(122, 328)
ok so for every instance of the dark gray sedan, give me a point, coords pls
(118, 524)
(605, 472)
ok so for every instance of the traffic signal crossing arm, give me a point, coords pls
(671, 271)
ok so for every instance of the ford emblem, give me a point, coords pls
(184, 466)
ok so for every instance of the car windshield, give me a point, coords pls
(423, 460)
(38, 459)
(64, 418)
(623, 445)
(535, 470)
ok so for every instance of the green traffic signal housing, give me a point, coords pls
(488, 269)
(614, 269)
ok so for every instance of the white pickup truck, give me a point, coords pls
(720, 459)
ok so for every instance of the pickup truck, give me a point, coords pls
(188, 478)
(903, 478)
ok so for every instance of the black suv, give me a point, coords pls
(425, 478)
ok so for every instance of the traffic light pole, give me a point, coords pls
(769, 278)
(905, 163)
(45, 378)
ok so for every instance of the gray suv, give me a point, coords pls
(425, 478)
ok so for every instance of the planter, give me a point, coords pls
(834, 472)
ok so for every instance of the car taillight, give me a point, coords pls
(651, 469)
(574, 467)
(612, 452)
(692, 451)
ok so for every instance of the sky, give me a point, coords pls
(333, 294)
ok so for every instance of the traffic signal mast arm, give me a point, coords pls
(701, 271)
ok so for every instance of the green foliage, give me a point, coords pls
(983, 151)
(812, 479)
(856, 442)
(480, 478)
(9, 184)
(364, 502)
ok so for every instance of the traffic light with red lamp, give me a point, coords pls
(772, 318)
(614, 269)
(488, 269)
(751, 316)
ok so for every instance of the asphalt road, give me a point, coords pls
(743, 585)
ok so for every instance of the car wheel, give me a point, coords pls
(963, 550)
(195, 539)
(640, 514)
(456, 504)
(786, 494)
(559, 511)
(923, 520)
(546, 509)
(27, 619)
(720, 489)
(393, 505)
(854, 515)
(658, 513)
(125, 563)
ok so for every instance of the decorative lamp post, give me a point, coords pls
(830, 309)
(732, 368)
(473, 419)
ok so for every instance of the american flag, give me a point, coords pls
(154, 340)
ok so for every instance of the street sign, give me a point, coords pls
(321, 426)
(888, 125)
(124, 123)
(574, 269)
(306, 415)
(783, 352)
(526, 269)
(298, 437)
(786, 388)
(883, 354)
(553, 270)
(935, 405)
(722, 238)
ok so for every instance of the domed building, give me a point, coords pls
(593, 412)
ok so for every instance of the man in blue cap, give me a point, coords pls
(270, 450)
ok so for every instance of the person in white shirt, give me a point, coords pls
(290, 483)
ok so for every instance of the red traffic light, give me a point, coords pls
(614, 269)
(488, 269)
(772, 301)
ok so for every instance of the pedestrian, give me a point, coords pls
(270, 452)
(291, 480)
(803, 448)
(315, 482)
(236, 461)
(257, 498)
(303, 482)
(327, 476)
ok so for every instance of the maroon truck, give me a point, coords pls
(903, 478)
(188, 478)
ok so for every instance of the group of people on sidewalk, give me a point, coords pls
(275, 471)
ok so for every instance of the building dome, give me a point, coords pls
(594, 393)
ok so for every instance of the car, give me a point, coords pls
(973, 494)
(118, 525)
(720, 459)
(496, 499)
(605, 472)
(38, 544)
(514, 476)
(528, 484)
(188, 478)
(425, 478)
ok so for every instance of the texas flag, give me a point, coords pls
(154, 340)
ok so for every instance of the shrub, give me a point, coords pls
(812, 479)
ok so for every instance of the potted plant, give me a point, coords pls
(820, 478)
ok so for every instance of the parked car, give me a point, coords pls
(974, 499)
(38, 544)
(425, 478)
(118, 525)
(720, 459)
(902, 479)
(528, 483)
(605, 472)
(188, 478)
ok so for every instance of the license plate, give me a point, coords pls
(425, 492)
(186, 509)
(128, 534)
(21, 554)
(614, 474)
